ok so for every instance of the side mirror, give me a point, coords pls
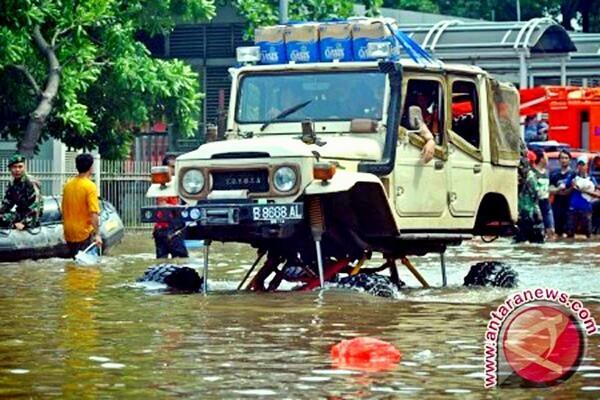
(415, 117)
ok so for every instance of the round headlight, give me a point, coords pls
(193, 181)
(284, 179)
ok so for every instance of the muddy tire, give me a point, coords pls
(491, 274)
(374, 284)
(176, 277)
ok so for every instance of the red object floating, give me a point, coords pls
(365, 354)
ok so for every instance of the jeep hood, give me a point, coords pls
(343, 147)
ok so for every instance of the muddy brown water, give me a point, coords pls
(87, 332)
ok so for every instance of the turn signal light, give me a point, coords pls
(323, 171)
(160, 175)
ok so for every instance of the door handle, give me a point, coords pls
(438, 164)
(476, 168)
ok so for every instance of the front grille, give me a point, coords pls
(256, 181)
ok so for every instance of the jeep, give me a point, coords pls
(323, 165)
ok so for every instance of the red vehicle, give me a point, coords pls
(573, 113)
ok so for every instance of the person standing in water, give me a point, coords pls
(168, 236)
(561, 192)
(81, 208)
(585, 189)
(543, 188)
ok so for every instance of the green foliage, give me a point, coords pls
(428, 6)
(587, 12)
(109, 83)
(266, 12)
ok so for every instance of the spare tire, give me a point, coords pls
(375, 284)
(176, 277)
(491, 274)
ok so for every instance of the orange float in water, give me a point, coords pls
(365, 354)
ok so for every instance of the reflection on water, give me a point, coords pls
(84, 332)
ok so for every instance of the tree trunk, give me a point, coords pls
(37, 119)
(568, 8)
(584, 9)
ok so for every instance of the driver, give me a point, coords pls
(429, 109)
(289, 96)
(430, 128)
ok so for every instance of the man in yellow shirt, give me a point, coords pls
(80, 208)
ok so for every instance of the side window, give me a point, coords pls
(428, 95)
(465, 111)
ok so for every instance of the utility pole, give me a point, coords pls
(283, 11)
(518, 10)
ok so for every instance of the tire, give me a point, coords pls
(491, 274)
(179, 278)
(374, 284)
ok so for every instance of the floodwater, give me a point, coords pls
(87, 332)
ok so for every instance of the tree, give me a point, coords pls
(587, 12)
(428, 6)
(266, 12)
(73, 70)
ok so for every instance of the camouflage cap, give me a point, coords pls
(15, 159)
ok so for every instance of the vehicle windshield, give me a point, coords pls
(329, 96)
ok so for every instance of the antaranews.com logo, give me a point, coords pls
(536, 337)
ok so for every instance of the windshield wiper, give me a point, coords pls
(285, 113)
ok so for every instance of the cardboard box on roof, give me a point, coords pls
(365, 31)
(302, 42)
(271, 41)
(335, 41)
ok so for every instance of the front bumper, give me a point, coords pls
(244, 221)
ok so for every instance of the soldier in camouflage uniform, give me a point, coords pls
(21, 207)
(530, 224)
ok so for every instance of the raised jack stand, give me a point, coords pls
(414, 271)
(317, 227)
(259, 257)
(320, 262)
(205, 275)
(443, 264)
(391, 263)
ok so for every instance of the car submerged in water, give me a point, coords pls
(322, 166)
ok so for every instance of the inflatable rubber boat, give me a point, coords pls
(47, 240)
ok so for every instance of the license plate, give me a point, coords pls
(277, 213)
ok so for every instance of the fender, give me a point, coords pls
(169, 190)
(362, 195)
(342, 181)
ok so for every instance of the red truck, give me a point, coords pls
(573, 113)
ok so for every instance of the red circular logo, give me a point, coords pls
(543, 344)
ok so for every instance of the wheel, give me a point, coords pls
(377, 285)
(491, 274)
(177, 277)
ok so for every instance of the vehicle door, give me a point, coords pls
(421, 189)
(465, 153)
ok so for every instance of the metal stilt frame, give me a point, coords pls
(443, 264)
(320, 263)
(391, 263)
(261, 253)
(317, 227)
(205, 280)
(414, 271)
